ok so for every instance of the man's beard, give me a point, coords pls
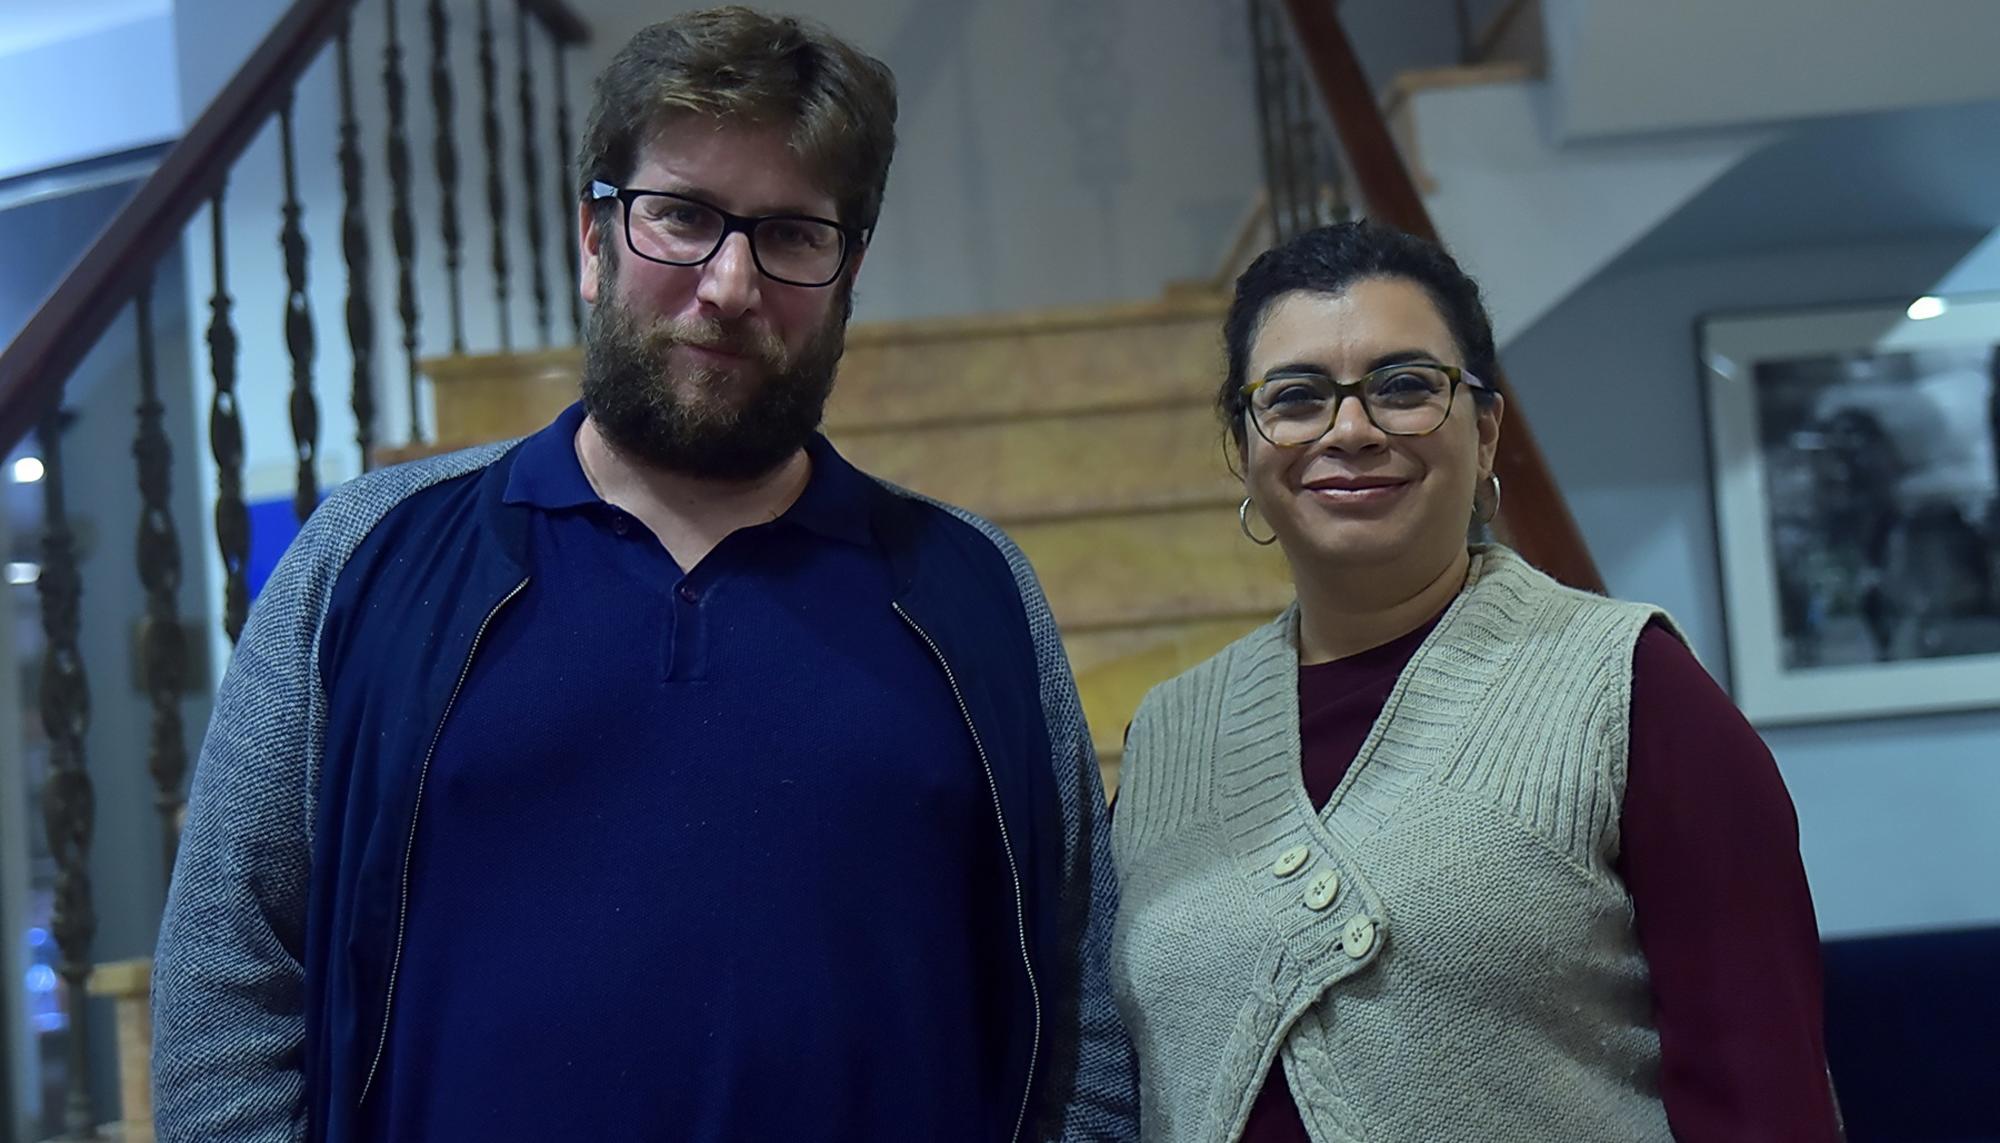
(713, 423)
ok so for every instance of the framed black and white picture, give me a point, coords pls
(1855, 458)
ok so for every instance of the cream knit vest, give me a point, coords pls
(1443, 954)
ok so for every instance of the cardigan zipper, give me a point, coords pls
(410, 845)
(1013, 868)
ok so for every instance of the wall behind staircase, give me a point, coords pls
(1896, 815)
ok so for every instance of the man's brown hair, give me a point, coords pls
(738, 65)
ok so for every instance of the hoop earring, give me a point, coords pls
(1243, 522)
(1487, 516)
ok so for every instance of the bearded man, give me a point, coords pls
(661, 775)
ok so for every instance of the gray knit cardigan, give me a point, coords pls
(1443, 953)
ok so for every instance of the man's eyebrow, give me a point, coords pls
(705, 196)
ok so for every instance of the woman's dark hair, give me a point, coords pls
(1329, 259)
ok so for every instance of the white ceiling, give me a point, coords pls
(26, 24)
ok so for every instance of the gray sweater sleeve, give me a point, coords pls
(229, 972)
(1090, 1075)
(229, 975)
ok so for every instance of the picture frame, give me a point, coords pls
(1854, 457)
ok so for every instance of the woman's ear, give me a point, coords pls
(1487, 425)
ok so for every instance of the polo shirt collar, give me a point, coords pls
(548, 475)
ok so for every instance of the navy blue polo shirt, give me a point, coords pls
(702, 855)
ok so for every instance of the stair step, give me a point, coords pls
(1065, 361)
(1041, 466)
(1143, 568)
(498, 396)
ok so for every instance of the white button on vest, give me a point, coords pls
(1291, 861)
(1323, 890)
(1359, 936)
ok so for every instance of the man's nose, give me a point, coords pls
(730, 281)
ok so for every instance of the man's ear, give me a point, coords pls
(854, 262)
(590, 242)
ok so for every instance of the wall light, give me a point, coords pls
(28, 469)
(1926, 308)
(21, 574)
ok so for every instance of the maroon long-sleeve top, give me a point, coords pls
(1710, 854)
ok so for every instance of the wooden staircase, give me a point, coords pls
(1087, 434)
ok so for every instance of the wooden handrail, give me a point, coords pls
(38, 363)
(1546, 534)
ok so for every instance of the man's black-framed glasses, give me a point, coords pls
(675, 230)
(1293, 407)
